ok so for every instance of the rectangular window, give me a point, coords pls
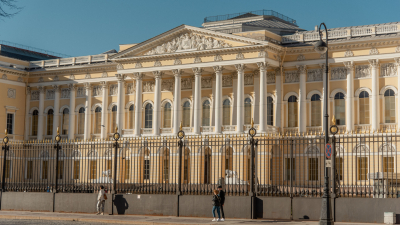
(93, 169)
(10, 123)
(390, 109)
(77, 169)
(339, 167)
(29, 169)
(312, 169)
(364, 110)
(289, 171)
(60, 169)
(270, 113)
(98, 122)
(186, 117)
(127, 164)
(362, 168)
(247, 113)
(316, 113)
(8, 169)
(388, 164)
(81, 124)
(340, 111)
(34, 124)
(131, 119)
(292, 113)
(49, 124)
(146, 169)
(65, 124)
(45, 169)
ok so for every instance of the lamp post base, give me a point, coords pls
(326, 207)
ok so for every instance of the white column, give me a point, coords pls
(397, 60)
(302, 99)
(138, 103)
(278, 105)
(41, 112)
(104, 127)
(234, 98)
(27, 108)
(71, 129)
(240, 98)
(375, 93)
(56, 118)
(120, 102)
(177, 100)
(350, 96)
(322, 65)
(197, 100)
(157, 103)
(88, 110)
(263, 96)
(218, 99)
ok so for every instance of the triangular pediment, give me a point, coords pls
(185, 39)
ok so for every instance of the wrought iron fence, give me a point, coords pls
(289, 166)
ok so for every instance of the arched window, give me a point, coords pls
(131, 116)
(50, 114)
(81, 121)
(148, 116)
(113, 118)
(35, 115)
(186, 114)
(247, 111)
(97, 120)
(65, 121)
(315, 110)
(340, 109)
(270, 111)
(364, 107)
(226, 112)
(206, 113)
(390, 106)
(292, 111)
(167, 115)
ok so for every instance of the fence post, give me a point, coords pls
(5, 148)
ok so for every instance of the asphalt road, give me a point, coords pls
(46, 222)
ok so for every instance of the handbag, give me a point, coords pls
(105, 196)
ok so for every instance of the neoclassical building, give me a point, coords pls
(213, 79)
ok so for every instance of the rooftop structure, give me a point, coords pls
(26, 53)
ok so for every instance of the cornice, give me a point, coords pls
(74, 69)
(13, 71)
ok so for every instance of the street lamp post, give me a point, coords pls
(116, 137)
(326, 210)
(57, 147)
(5, 149)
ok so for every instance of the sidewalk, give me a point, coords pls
(125, 219)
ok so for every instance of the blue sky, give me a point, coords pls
(87, 27)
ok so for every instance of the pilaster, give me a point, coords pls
(71, 130)
(41, 112)
(88, 103)
(177, 100)
(157, 103)
(240, 97)
(138, 103)
(104, 117)
(302, 98)
(120, 101)
(27, 108)
(197, 100)
(218, 98)
(350, 96)
(375, 93)
(263, 96)
(56, 119)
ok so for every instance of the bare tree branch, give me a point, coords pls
(8, 8)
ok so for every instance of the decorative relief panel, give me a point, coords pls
(56, 78)
(206, 82)
(138, 65)
(157, 63)
(388, 70)
(301, 57)
(40, 79)
(227, 81)
(263, 54)
(338, 73)
(65, 92)
(148, 86)
(4, 77)
(35, 95)
(271, 77)
(97, 90)
(373, 51)
(348, 53)
(314, 75)
(248, 79)
(240, 56)
(186, 83)
(20, 79)
(113, 89)
(363, 71)
(167, 85)
(11, 93)
(218, 58)
(72, 77)
(104, 74)
(322, 56)
(398, 48)
(50, 94)
(177, 62)
(80, 92)
(188, 42)
(197, 60)
(130, 89)
(291, 76)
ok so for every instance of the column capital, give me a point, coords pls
(218, 69)
(104, 84)
(138, 76)
(177, 72)
(88, 86)
(56, 88)
(41, 89)
(262, 65)
(120, 77)
(72, 87)
(28, 90)
(240, 67)
(374, 63)
(302, 69)
(397, 61)
(197, 71)
(349, 65)
(157, 74)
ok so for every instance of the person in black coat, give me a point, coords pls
(216, 205)
(222, 196)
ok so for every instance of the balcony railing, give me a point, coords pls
(342, 128)
(388, 126)
(229, 128)
(314, 130)
(166, 130)
(147, 130)
(207, 129)
(69, 61)
(187, 129)
(128, 132)
(290, 130)
(362, 128)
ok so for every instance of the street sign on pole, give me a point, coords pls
(328, 150)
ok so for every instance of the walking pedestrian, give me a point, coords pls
(222, 196)
(216, 204)
(101, 200)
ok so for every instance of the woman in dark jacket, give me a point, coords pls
(216, 205)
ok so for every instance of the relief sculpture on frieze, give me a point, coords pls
(388, 70)
(148, 86)
(363, 71)
(314, 75)
(206, 82)
(291, 76)
(227, 81)
(338, 73)
(186, 83)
